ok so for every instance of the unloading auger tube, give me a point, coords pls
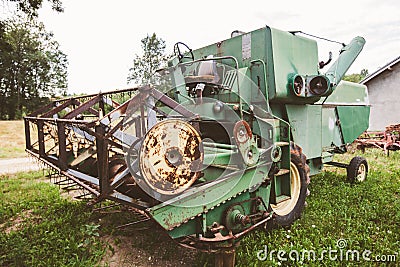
(220, 143)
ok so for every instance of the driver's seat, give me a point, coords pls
(206, 72)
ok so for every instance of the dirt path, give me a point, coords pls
(15, 165)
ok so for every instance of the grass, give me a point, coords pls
(363, 217)
(41, 228)
(13, 139)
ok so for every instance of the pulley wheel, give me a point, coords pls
(242, 132)
(171, 157)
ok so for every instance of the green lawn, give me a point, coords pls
(357, 217)
(38, 227)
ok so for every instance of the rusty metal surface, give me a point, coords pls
(65, 129)
(297, 150)
(385, 140)
(242, 132)
(57, 108)
(171, 156)
(83, 107)
(63, 132)
(56, 171)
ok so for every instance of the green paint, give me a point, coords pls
(195, 201)
(305, 122)
(353, 120)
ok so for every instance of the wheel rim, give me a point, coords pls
(285, 207)
(361, 173)
(170, 157)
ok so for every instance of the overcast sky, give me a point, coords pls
(102, 37)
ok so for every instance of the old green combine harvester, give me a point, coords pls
(220, 143)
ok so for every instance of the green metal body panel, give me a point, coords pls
(347, 93)
(345, 115)
(218, 213)
(284, 54)
(305, 122)
(353, 121)
(172, 213)
(331, 132)
(291, 54)
(244, 48)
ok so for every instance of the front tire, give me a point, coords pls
(290, 210)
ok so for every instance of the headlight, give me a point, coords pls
(318, 85)
(297, 84)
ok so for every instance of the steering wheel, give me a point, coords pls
(177, 51)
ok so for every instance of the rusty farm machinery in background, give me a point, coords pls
(386, 140)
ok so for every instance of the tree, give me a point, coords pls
(32, 69)
(153, 58)
(356, 77)
(30, 7)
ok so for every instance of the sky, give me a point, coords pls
(101, 38)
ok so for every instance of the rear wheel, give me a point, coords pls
(290, 210)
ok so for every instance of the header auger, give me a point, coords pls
(221, 142)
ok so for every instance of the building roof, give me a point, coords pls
(379, 71)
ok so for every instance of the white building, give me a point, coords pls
(384, 96)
